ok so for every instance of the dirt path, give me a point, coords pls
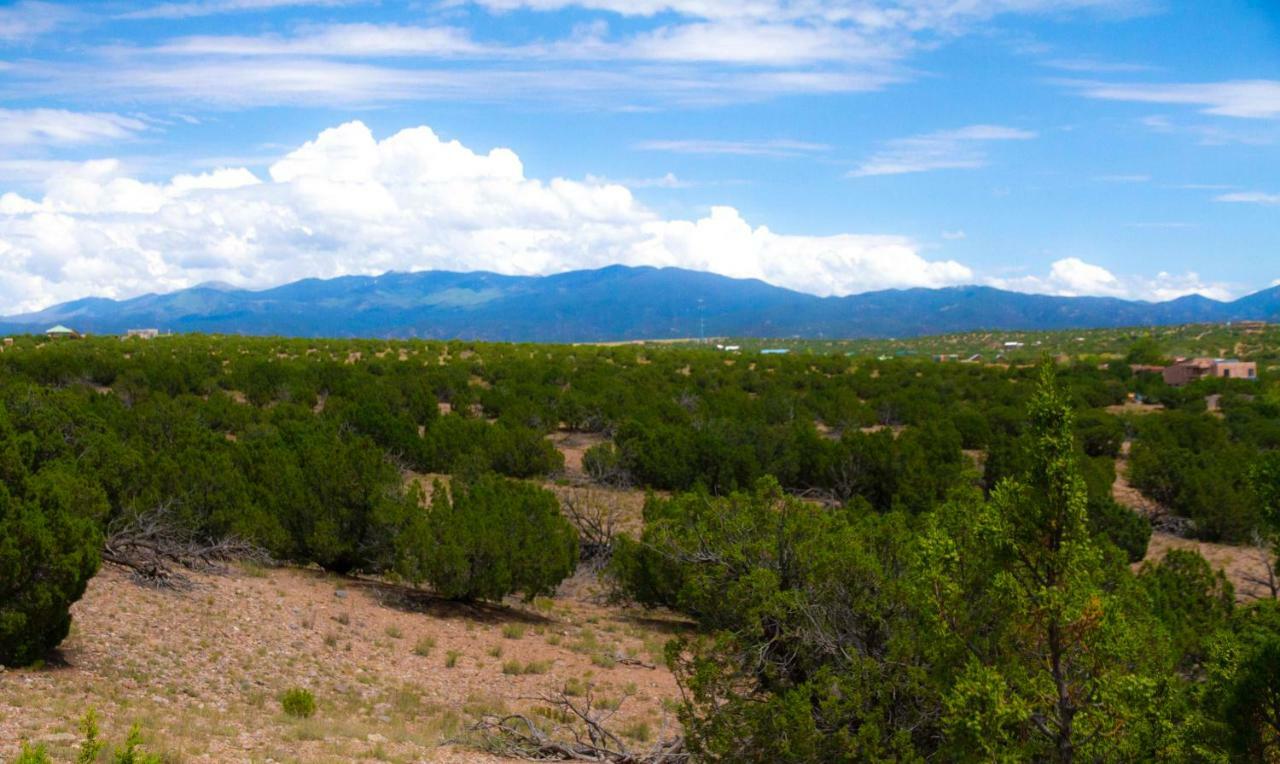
(202, 671)
(1246, 567)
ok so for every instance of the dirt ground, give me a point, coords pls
(396, 674)
(574, 445)
(1246, 567)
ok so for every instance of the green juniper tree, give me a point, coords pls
(1048, 656)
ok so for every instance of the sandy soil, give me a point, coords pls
(574, 445)
(1246, 567)
(202, 671)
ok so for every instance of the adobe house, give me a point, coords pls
(1188, 370)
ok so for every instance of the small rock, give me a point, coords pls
(375, 738)
(340, 594)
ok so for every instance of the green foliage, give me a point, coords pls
(1191, 599)
(812, 659)
(132, 753)
(603, 464)
(488, 537)
(1242, 691)
(1188, 462)
(49, 547)
(1053, 656)
(298, 703)
(33, 754)
(90, 746)
(1146, 351)
(1119, 525)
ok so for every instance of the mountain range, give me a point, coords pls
(611, 304)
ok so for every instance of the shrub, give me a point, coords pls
(491, 537)
(298, 703)
(603, 464)
(451, 658)
(424, 646)
(49, 549)
(33, 755)
(131, 753)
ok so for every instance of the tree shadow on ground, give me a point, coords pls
(408, 599)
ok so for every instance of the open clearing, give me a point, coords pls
(202, 671)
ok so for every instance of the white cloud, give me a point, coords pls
(1073, 277)
(27, 20)
(197, 8)
(1249, 99)
(337, 40)
(1255, 134)
(776, 147)
(1249, 197)
(346, 203)
(22, 127)
(943, 150)
(906, 13)
(684, 52)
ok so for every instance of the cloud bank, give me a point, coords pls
(347, 203)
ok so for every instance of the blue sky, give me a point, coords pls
(1115, 147)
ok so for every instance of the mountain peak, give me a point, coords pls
(613, 303)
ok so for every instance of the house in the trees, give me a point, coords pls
(1188, 370)
(61, 332)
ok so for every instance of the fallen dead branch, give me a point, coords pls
(157, 551)
(571, 731)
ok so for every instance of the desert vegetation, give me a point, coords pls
(845, 558)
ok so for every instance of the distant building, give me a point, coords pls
(975, 358)
(1014, 344)
(946, 357)
(142, 334)
(1188, 370)
(775, 351)
(61, 332)
(8, 342)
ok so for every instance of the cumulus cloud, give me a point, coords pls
(942, 150)
(347, 203)
(1073, 277)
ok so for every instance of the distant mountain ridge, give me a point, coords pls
(611, 304)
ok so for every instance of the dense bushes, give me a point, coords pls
(812, 654)
(49, 546)
(993, 628)
(1188, 462)
(487, 537)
